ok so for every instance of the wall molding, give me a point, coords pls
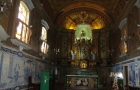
(20, 44)
(122, 23)
(45, 24)
(18, 53)
(29, 4)
(136, 59)
(3, 34)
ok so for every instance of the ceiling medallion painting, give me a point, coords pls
(94, 18)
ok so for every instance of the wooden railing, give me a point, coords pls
(22, 31)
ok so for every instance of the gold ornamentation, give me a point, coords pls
(83, 16)
(83, 64)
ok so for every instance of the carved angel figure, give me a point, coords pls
(73, 54)
(93, 56)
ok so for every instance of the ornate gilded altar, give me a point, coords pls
(82, 53)
(83, 64)
(80, 45)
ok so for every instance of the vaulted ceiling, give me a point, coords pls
(97, 13)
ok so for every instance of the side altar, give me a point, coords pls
(82, 82)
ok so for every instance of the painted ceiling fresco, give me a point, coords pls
(97, 13)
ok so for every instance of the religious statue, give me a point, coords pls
(73, 55)
(93, 56)
(82, 34)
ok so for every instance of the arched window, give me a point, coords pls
(43, 37)
(44, 34)
(23, 31)
(23, 13)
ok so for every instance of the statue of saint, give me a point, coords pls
(93, 56)
(82, 34)
(73, 55)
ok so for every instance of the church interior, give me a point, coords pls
(69, 44)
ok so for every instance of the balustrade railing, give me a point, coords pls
(22, 31)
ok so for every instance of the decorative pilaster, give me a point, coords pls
(3, 34)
